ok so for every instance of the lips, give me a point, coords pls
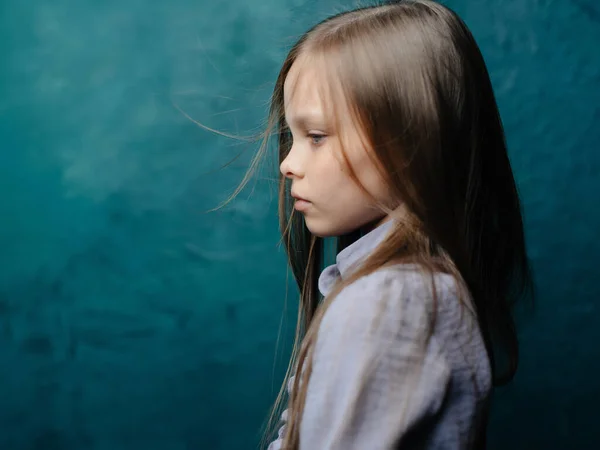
(297, 197)
(301, 204)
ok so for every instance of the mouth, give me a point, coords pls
(301, 204)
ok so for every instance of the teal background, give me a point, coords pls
(130, 319)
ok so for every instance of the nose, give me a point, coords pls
(292, 166)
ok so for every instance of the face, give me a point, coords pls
(332, 203)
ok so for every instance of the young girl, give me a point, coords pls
(390, 141)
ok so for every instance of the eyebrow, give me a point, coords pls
(306, 121)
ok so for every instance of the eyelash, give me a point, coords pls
(313, 136)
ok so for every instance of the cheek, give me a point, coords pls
(367, 174)
(334, 180)
(371, 180)
(336, 186)
(328, 170)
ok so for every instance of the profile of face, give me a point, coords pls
(330, 200)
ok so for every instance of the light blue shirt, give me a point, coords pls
(376, 384)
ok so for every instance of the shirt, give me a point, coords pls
(375, 383)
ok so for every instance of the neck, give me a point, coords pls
(374, 224)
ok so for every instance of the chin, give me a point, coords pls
(320, 229)
(322, 233)
(326, 229)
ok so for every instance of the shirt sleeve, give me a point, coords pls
(374, 378)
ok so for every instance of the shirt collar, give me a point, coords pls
(351, 255)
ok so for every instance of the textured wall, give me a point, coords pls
(130, 319)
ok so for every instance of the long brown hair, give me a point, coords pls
(418, 88)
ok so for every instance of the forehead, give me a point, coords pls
(303, 88)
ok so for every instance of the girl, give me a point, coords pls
(390, 141)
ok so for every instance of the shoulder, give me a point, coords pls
(402, 282)
(399, 295)
(374, 336)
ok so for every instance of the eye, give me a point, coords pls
(316, 139)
